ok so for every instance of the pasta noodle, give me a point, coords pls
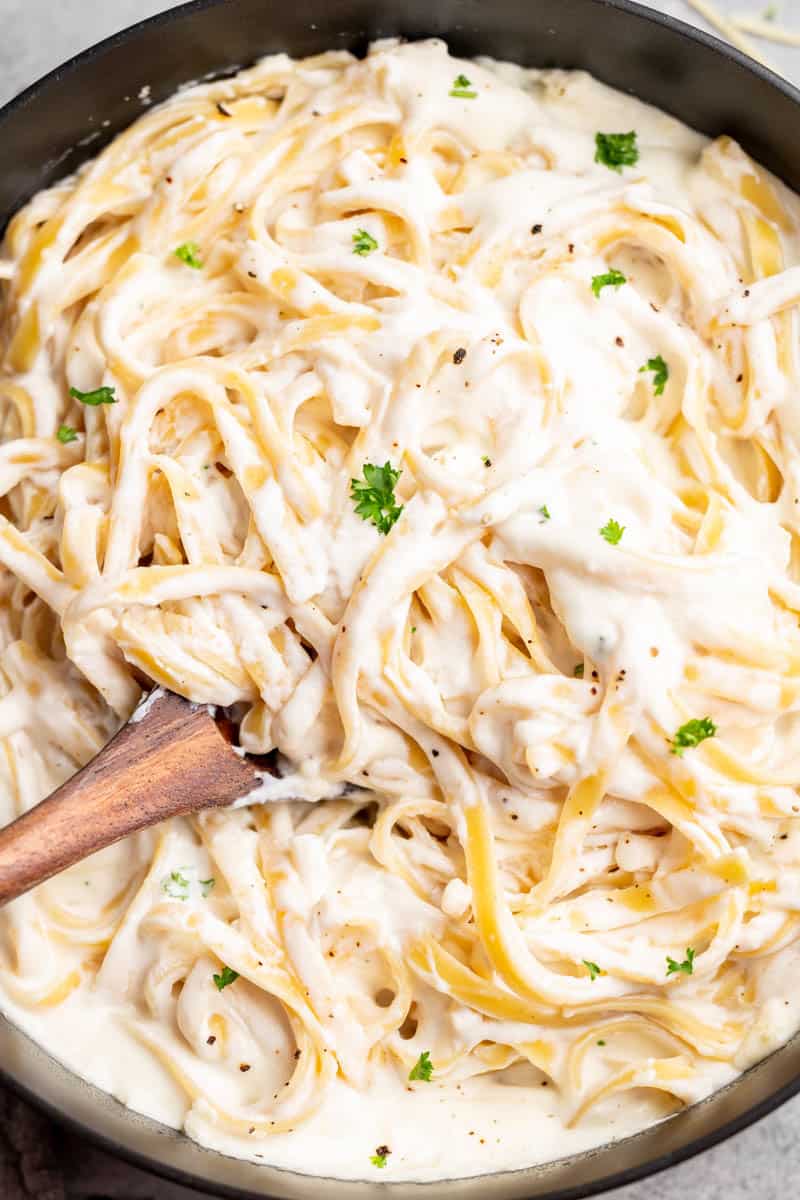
(445, 436)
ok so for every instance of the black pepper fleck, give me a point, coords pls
(459, 356)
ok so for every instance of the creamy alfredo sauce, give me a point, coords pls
(560, 646)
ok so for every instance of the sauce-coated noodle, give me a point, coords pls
(569, 669)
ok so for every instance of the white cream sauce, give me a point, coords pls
(491, 218)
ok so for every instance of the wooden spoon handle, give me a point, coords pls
(170, 761)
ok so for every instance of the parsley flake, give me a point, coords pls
(363, 243)
(692, 734)
(612, 531)
(601, 1042)
(577, 670)
(207, 886)
(226, 976)
(422, 1068)
(660, 373)
(375, 498)
(545, 514)
(101, 395)
(616, 150)
(593, 969)
(612, 278)
(378, 1159)
(462, 88)
(66, 434)
(176, 886)
(686, 967)
(189, 253)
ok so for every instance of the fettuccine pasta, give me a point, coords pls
(436, 420)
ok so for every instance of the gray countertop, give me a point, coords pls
(760, 1164)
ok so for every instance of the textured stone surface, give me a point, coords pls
(760, 1164)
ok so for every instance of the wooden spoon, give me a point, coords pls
(171, 758)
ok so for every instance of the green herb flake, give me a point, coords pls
(225, 977)
(422, 1068)
(363, 243)
(66, 434)
(601, 1042)
(593, 969)
(462, 88)
(577, 670)
(176, 886)
(207, 886)
(770, 13)
(612, 531)
(487, 462)
(189, 253)
(374, 498)
(378, 1159)
(101, 395)
(612, 278)
(616, 150)
(686, 967)
(692, 734)
(660, 373)
(545, 514)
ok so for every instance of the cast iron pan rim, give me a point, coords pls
(614, 1179)
(83, 60)
(631, 8)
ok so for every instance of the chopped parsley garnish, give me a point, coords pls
(378, 1159)
(226, 976)
(616, 150)
(612, 531)
(601, 1042)
(660, 373)
(686, 967)
(545, 514)
(422, 1068)
(176, 885)
(101, 395)
(487, 462)
(66, 434)
(578, 670)
(612, 278)
(375, 498)
(462, 88)
(593, 969)
(363, 242)
(189, 253)
(692, 734)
